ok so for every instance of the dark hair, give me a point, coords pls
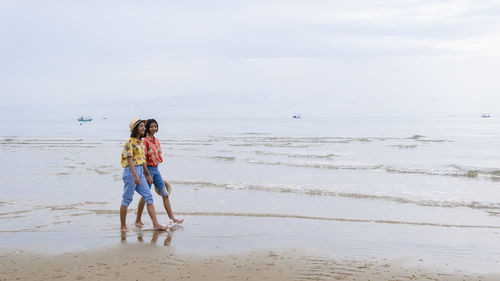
(135, 131)
(148, 124)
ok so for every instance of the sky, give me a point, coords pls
(249, 58)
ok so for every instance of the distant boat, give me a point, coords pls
(84, 119)
(296, 116)
(485, 115)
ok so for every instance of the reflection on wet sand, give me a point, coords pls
(142, 234)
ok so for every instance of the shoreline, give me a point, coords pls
(147, 262)
(427, 248)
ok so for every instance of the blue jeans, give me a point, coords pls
(157, 181)
(130, 186)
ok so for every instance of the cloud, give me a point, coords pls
(265, 57)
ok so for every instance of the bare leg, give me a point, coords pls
(155, 237)
(123, 219)
(168, 208)
(152, 214)
(140, 208)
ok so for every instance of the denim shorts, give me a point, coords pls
(158, 180)
(130, 186)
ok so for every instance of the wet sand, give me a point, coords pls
(247, 248)
(146, 262)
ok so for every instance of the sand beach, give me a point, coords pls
(146, 262)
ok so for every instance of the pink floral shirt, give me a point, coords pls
(152, 149)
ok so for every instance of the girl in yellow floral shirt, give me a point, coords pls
(136, 175)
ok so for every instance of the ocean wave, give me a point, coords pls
(493, 173)
(416, 137)
(241, 144)
(280, 216)
(252, 133)
(289, 144)
(16, 213)
(47, 143)
(277, 144)
(201, 183)
(490, 208)
(269, 215)
(296, 155)
(306, 139)
(49, 146)
(188, 143)
(183, 148)
(260, 140)
(296, 141)
(434, 140)
(67, 207)
(424, 171)
(224, 158)
(453, 170)
(38, 140)
(36, 228)
(320, 165)
(100, 170)
(403, 146)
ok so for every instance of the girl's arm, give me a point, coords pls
(146, 151)
(159, 151)
(137, 180)
(146, 172)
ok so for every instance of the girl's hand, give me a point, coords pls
(137, 180)
(149, 179)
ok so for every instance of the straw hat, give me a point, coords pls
(134, 123)
(167, 185)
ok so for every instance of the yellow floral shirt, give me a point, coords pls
(133, 147)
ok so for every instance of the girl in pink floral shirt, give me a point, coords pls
(152, 149)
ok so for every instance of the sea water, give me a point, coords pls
(406, 188)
